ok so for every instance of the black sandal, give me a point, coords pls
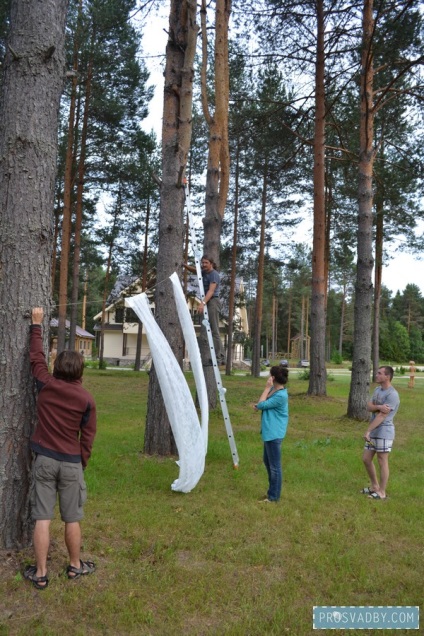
(40, 582)
(86, 567)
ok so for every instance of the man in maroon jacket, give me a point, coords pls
(62, 444)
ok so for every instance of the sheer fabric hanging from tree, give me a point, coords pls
(176, 138)
(190, 437)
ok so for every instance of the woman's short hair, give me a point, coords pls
(69, 366)
(280, 374)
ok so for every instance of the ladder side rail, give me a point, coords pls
(217, 374)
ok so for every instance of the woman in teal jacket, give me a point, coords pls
(274, 407)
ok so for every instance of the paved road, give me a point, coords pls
(397, 376)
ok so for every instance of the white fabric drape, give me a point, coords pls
(188, 434)
(193, 353)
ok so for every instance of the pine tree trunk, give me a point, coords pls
(289, 318)
(360, 381)
(33, 73)
(79, 210)
(106, 284)
(378, 272)
(302, 330)
(217, 175)
(67, 212)
(318, 374)
(231, 302)
(342, 320)
(55, 237)
(137, 364)
(176, 138)
(257, 328)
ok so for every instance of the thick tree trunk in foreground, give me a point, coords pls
(32, 84)
(176, 137)
(318, 374)
(360, 381)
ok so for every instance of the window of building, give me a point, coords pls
(130, 315)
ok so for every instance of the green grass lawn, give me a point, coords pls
(216, 561)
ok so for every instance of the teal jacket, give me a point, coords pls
(274, 416)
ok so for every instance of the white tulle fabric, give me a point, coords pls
(190, 437)
(186, 322)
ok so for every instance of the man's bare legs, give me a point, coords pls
(367, 458)
(77, 567)
(41, 545)
(73, 542)
(383, 461)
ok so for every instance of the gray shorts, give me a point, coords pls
(379, 445)
(52, 478)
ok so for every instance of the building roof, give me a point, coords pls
(121, 284)
(79, 331)
(129, 285)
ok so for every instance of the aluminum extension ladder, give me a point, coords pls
(221, 389)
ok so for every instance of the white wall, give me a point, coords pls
(112, 344)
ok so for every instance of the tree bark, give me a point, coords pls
(176, 138)
(79, 208)
(360, 380)
(67, 207)
(55, 236)
(257, 328)
(33, 74)
(113, 234)
(318, 374)
(302, 334)
(378, 273)
(218, 173)
(231, 302)
(218, 164)
(289, 318)
(137, 364)
(342, 319)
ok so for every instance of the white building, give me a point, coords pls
(121, 323)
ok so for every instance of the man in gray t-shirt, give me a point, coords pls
(380, 433)
(211, 282)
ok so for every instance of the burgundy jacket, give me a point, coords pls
(66, 411)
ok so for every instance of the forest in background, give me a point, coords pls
(107, 197)
(274, 111)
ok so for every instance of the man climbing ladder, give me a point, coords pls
(207, 326)
(211, 283)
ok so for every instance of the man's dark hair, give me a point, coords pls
(69, 366)
(205, 257)
(280, 374)
(388, 371)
